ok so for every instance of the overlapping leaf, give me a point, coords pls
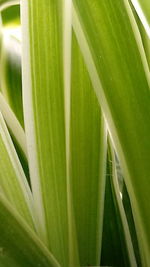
(43, 92)
(88, 161)
(19, 246)
(117, 66)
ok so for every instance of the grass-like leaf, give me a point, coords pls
(43, 93)
(113, 238)
(88, 161)
(128, 245)
(19, 246)
(11, 74)
(142, 8)
(77, 81)
(129, 215)
(145, 34)
(14, 125)
(121, 78)
(13, 182)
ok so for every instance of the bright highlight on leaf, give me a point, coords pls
(142, 16)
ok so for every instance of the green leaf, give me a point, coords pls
(17, 133)
(13, 125)
(112, 238)
(11, 74)
(120, 75)
(11, 14)
(22, 157)
(144, 35)
(128, 250)
(142, 8)
(87, 160)
(13, 182)
(43, 94)
(67, 49)
(129, 215)
(19, 246)
(146, 43)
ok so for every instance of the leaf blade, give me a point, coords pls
(112, 56)
(88, 161)
(12, 179)
(19, 244)
(43, 94)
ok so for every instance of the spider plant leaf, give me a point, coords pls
(130, 259)
(19, 245)
(144, 35)
(11, 84)
(142, 8)
(120, 75)
(112, 238)
(13, 124)
(87, 160)
(16, 132)
(146, 42)
(12, 179)
(129, 215)
(11, 99)
(22, 157)
(43, 95)
(67, 50)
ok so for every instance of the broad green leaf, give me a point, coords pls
(87, 161)
(11, 74)
(113, 53)
(43, 94)
(13, 182)
(67, 53)
(19, 246)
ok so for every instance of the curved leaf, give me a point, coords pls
(19, 246)
(120, 76)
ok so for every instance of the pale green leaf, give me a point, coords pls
(13, 124)
(13, 182)
(128, 245)
(19, 246)
(129, 215)
(43, 94)
(142, 8)
(67, 53)
(116, 61)
(144, 35)
(88, 161)
(17, 133)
